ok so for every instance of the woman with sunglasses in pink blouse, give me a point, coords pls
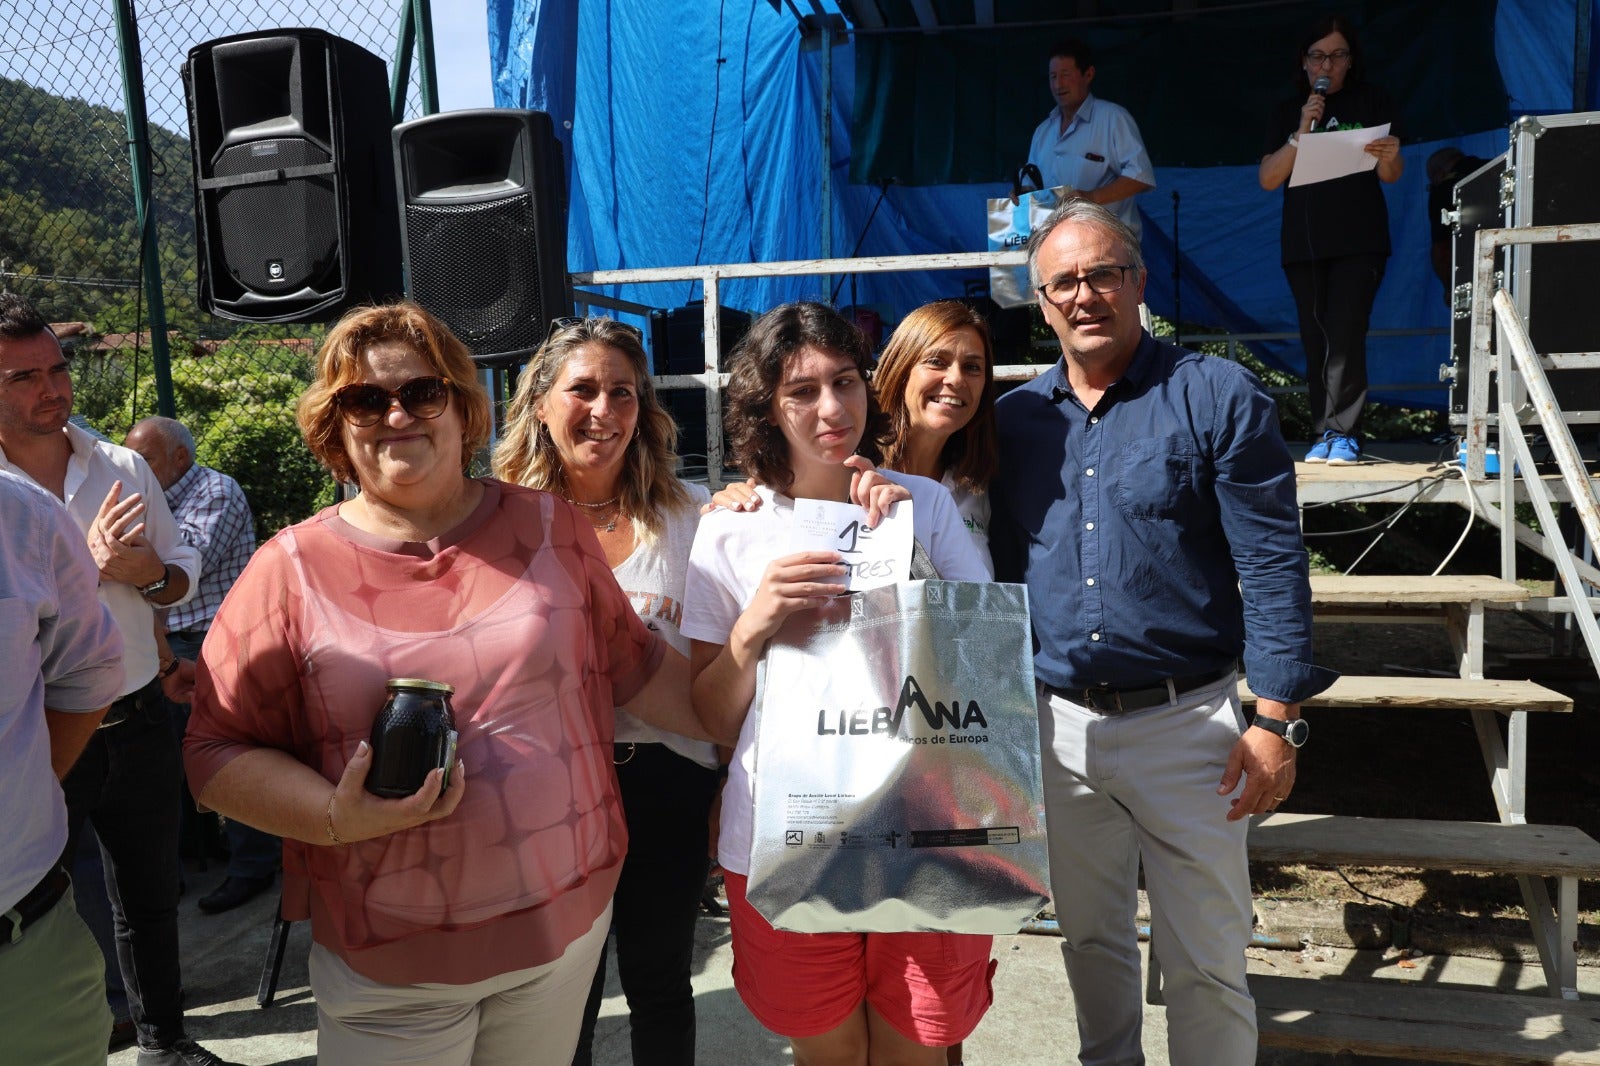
(460, 924)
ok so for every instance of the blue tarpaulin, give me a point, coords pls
(693, 136)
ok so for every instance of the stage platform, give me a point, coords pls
(1398, 472)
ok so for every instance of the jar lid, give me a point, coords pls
(420, 684)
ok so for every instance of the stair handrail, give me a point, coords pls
(1558, 435)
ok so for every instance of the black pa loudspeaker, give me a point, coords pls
(484, 226)
(293, 183)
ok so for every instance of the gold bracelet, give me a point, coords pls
(327, 821)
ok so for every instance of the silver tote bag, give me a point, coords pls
(897, 784)
(1010, 226)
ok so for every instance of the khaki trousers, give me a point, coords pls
(53, 993)
(1121, 790)
(526, 1016)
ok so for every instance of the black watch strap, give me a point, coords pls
(1294, 732)
(159, 584)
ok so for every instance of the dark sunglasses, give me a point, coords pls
(364, 405)
(567, 322)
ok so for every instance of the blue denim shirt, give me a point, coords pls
(1158, 534)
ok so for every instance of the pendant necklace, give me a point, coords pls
(609, 527)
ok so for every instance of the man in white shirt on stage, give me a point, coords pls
(1090, 145)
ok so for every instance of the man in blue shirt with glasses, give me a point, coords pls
(1147, 500)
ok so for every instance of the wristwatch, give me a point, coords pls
(158, 584)
(1294, 732)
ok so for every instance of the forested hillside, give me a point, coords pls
(67, 210)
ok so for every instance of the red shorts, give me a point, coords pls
(932, 987)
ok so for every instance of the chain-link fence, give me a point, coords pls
(70, 242)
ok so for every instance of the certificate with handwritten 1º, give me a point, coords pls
(877, 555)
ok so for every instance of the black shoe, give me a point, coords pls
(234, 892)
(122, 1033)
(182, 1052)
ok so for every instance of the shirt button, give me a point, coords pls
(1089, 582)
(1094, 636)
(1093, 419)
(1088, 525)
(1090, 472)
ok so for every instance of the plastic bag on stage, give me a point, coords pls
(1010, 225)
(897, 783)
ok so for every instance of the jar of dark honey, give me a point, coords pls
(414, 732)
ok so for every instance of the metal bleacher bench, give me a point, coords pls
(1378, 1018)
(1506, 758)
(1434, 1024)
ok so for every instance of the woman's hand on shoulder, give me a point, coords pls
(791, 583)
(872, 490)
(735, 496)
(355, 814)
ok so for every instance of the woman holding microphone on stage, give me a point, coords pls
(1335, 234)
(799, 409)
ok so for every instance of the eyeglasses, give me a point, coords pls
(1103, 280)
(567, 322)
(364, 405)
(1316, 59)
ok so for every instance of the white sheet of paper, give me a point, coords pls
(1334, 153)
(877, 556)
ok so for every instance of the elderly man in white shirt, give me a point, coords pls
(1087, 144)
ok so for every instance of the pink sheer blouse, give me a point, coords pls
(518, 610)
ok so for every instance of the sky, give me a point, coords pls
(68, 47)
(461, 52)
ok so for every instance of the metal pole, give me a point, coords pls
(139, 158)
(1558, 435)
(400, 78)
(428, 74)
(1177, 270)
(711, 380)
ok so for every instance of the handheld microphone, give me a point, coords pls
(1322, 85)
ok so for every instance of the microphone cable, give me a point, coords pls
(861, 238)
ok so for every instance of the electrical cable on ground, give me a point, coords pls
(1363, 893)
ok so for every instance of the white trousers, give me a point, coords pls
(1119, 789)
(526, 1016)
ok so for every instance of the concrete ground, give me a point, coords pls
(1030, 1024)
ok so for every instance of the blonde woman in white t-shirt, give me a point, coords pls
(585, 423)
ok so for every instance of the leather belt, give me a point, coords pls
(39, 901)
(120, 710)
(1109, 700)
